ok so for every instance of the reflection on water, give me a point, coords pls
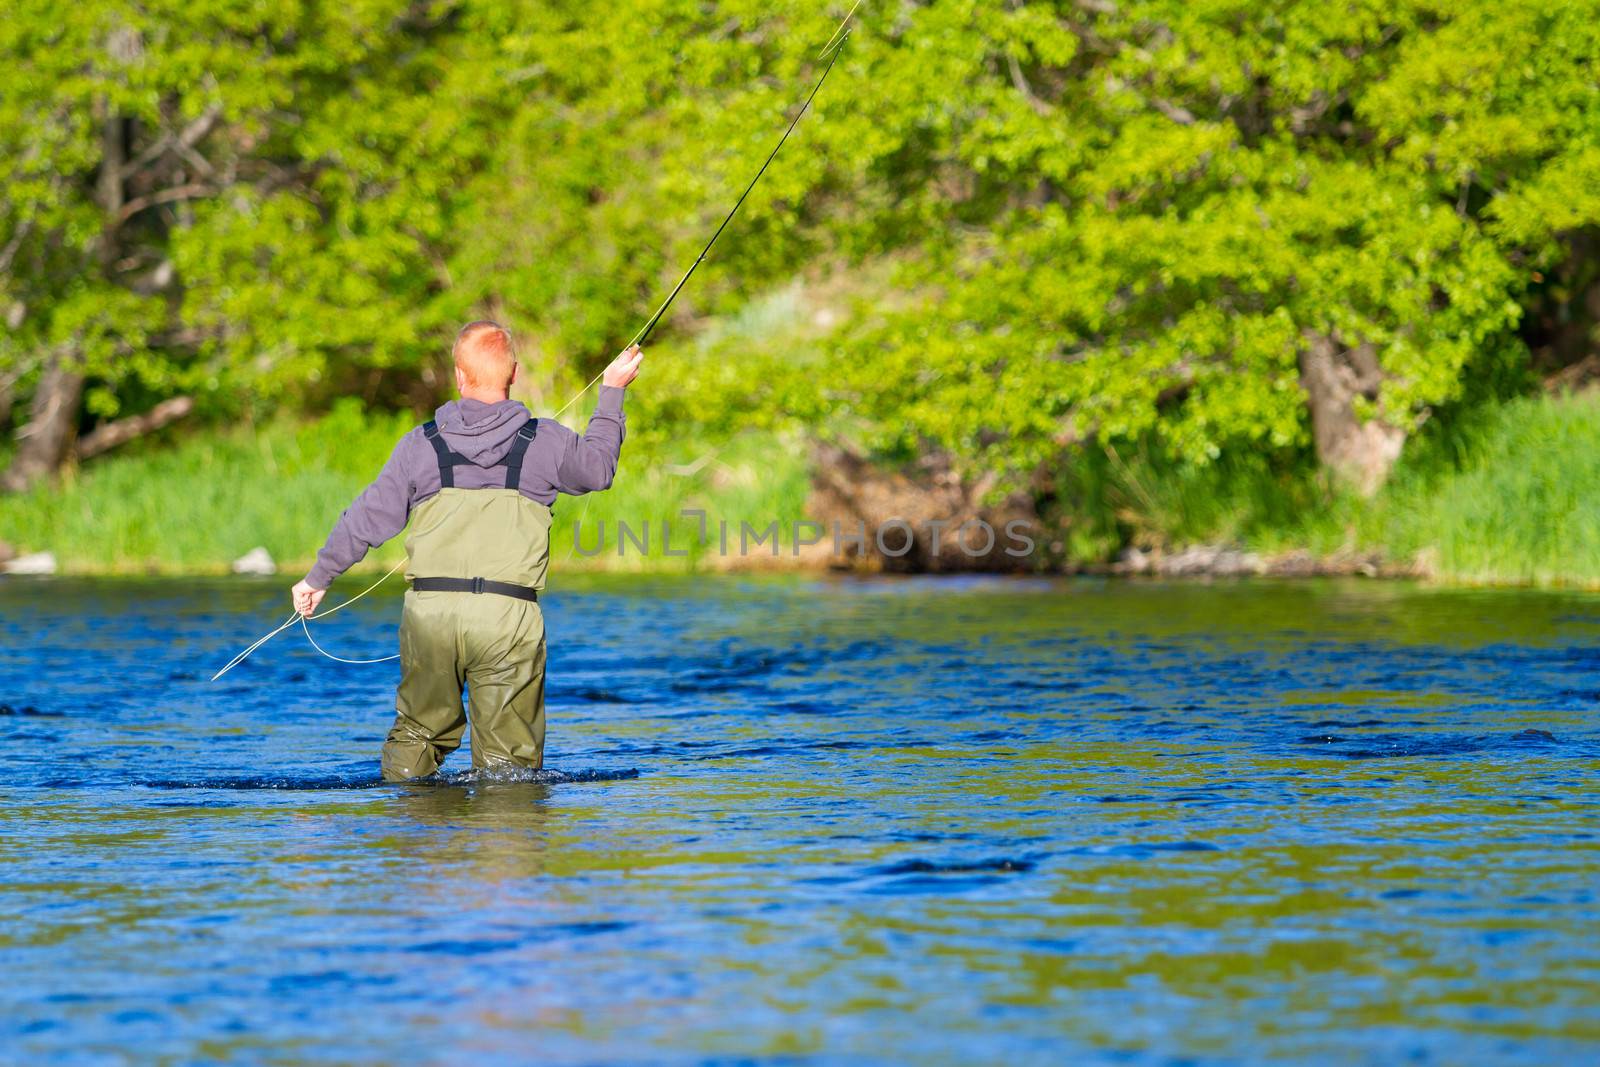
(816, 820)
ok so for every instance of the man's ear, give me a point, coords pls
(516, 371)
(461, 381)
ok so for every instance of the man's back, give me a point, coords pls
(480, 436)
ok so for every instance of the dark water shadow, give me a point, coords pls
(1369, 746)
(369, 780)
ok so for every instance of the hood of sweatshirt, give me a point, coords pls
(481, 432)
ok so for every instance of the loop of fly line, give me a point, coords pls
(295, 616)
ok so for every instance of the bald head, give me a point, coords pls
(486, 365)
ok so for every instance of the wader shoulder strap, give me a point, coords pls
(519, 448)
(448, 460)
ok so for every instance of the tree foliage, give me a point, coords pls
(1108, 220)
(1198, 188)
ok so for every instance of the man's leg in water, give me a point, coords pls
(429, 718)
(505, 655)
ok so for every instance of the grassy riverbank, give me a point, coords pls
(1510, 494)
(1507, 495)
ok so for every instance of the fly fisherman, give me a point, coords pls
(477, 485)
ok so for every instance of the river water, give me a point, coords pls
(815, 821)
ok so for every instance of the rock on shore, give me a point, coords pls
(32, 563)
(1222, 561)
(256, 561)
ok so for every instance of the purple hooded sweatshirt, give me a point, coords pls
(557, 461)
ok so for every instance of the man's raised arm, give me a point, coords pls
(589, 463)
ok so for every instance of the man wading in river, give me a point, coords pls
(477, 485)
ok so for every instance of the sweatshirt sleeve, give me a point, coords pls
(589, 463)
(380, 512)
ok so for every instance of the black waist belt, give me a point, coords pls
(473, 585)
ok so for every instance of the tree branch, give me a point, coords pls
(9, 253)
(184, 142)
(1181, 115)
(165, 196)
(109, 435)
(1021, 83)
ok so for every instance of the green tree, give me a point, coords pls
(1197, 197)
(1284, 228)
(229, 201)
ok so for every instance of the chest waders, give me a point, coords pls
(476, 559)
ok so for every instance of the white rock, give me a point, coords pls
(33, 563)
(256, 561)
(1134, 560)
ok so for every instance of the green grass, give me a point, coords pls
(195, 505)
(1136, 496)
(1507, 494)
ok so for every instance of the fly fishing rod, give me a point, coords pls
(639, 338)
(831, 50)
(834, 47)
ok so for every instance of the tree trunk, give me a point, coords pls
(1359, 453)
(53, 420)
(46, 442)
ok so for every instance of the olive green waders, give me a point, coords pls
(491, 643)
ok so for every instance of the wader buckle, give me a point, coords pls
(477, 585)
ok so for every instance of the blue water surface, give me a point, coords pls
(811, 820)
